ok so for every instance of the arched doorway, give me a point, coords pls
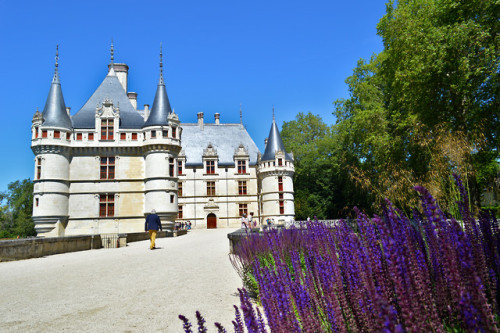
(211, 221)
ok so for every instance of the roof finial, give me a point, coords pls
(56, 67)
(161, 64)
(241, 115)
(112, 53)
(273, 112)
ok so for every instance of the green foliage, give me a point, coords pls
(16, 210)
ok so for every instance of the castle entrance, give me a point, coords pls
(211, 221)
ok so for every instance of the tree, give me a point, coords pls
(17, 210)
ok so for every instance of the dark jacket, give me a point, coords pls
(152, 222)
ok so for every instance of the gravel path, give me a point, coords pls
(129, 289)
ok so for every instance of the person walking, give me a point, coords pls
(152, 226)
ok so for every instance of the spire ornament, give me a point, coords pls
(273, 112)
(161, 64)
(241, 116)
(112, 51)
(56, 66)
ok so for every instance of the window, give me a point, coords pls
(243, 209)
(68, 136)
(153, 134)
(107, 129)
(44, 133)
(107, 168)
(242, 187)
(179, 167)
(280, 162)
(134, 136)
(38, 168)
(210, 167)
(171, 166)
(242, 167)
(106, 205)
(37, 202)
(36, 132)
(179, 189)
(57, 134)
(179, 214)
(172, 198)
(282, 207)
(79, 136)
(280, 183)
(91, 136)
(210, 189)
(165, 134)
(174, 132)
(281, 196)
(123, 136)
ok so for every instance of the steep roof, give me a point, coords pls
(274, 143)
(161, 108)
(54, 113)
(225, 138)
(112, 89)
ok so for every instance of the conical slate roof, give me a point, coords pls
(111, 89)
(161, 107)
(54, 113)
(274, 143)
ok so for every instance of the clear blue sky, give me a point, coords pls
(294, 55)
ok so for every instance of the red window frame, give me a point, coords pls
(280, 183)
(57, 134)
(68, 136)
(243, 209)
(123, 136)
(210, 167)
(179, 189)
(36, 132)
(210, 189)
(44, 133)
(79, 136)
(37, 202)
(280, 162)
(282, 207)
(179, 213)
(134, 136)
(179, 167)
(242, 187)
(174, 132)
(91, 136)
(107, 167)
(242, 167)
(106, 205)
(107, 128)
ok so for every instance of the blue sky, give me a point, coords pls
(294, 55)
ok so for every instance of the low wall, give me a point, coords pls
(140, 236)
(16, 249)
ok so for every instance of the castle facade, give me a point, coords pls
(103, 169)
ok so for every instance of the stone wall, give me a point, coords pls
(39, 247)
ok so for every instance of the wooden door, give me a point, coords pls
(211, 221)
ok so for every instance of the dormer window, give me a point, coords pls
(174, 132)
(165, 133)
(153, 134)
(57, 134)
(134, 136)
(68, 136)
(36, 132)
(210, 166)
(79, 136)
(107, 129)
(91, 136)
(280, 162)
(242, 167)
(44, 133)
(123, 136)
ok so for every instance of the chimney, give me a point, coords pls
(146, 112)
(132, 96)
(217, 118)
(121, 71)
(200, 119)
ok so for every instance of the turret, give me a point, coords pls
(51, 135)
(161, 147)
(276, 171)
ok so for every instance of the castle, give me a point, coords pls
(103, 169)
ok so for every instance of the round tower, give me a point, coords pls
(162, 144)
(276, 169)
(51, 134)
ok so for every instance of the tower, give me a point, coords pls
(276, 169)
(162, 144)
(51, 132)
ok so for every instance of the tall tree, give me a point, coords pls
(17, 210)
